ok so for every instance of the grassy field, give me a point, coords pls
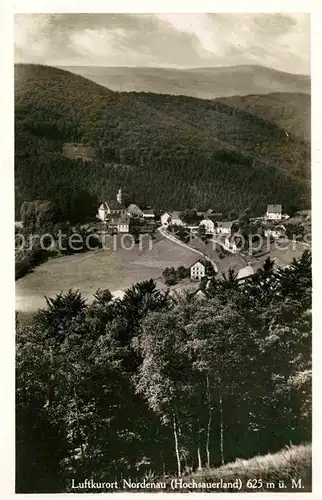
(114, 269)
(289, 470)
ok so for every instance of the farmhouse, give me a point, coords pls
(198, 270)
(224, 227)
(134, 210)
(274, 212)
(275, 232)
(248, 271)
(119, 224)
(113, 207)
(165, 219)
(171, 218)
(176, 219)
(209, 225)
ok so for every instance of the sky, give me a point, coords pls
(280, 41)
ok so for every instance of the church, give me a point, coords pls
(114, 214)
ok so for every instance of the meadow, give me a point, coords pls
(114, 269)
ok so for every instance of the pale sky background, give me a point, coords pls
(280, 41)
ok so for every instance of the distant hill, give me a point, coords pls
(166, 151)
(290, 111)
(204, 83)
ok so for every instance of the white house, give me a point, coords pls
(224, 227)
(244, 273)
(231, 244)
(275, 232)
(119, 224)
(197, 270)
(209, 225)
(247, 271)
(176, 219)
(274, 212)
(165, 219)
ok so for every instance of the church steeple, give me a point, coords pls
(119, 196)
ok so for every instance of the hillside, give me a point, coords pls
(261, 473)
(205, 83)
(169, 151)
(290, 111)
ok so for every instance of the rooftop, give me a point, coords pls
(176, 215)
(114, 205)
(274, 209)
(132, 207)
(226, 224)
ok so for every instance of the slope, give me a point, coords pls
(164, 150)
(289, 469)
(290, 111)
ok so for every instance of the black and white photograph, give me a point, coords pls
(162, 240)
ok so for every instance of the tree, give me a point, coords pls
(260, 289)
(39, 216)
(60, 312)
(103, 296)
(135, 227)
(40, 441)
(84, 206)
(182, 272)
(162, 377)
(202, 232)
(190, 217)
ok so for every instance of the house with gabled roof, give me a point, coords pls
(276, 231)
(176, 219)
(224, 227)
(173, 218)
(165, 219)
(198, 270)
(274, 212)
(134, 210)
(248, 271)
(209, 225)
(118, 224)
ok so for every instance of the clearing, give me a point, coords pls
(116, 269)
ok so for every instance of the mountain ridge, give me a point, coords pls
(204, 83)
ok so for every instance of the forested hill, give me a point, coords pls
(168, 151)
(290, 111)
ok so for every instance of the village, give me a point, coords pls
(185, 226)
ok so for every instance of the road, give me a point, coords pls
(162, 230)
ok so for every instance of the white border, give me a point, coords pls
(7, 9)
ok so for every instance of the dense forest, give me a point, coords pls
(290, 111)
(154, 385)
(171, 152)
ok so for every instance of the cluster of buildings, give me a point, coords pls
(117, 216)
(198, 270)
(209, 221)
(213, 226)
